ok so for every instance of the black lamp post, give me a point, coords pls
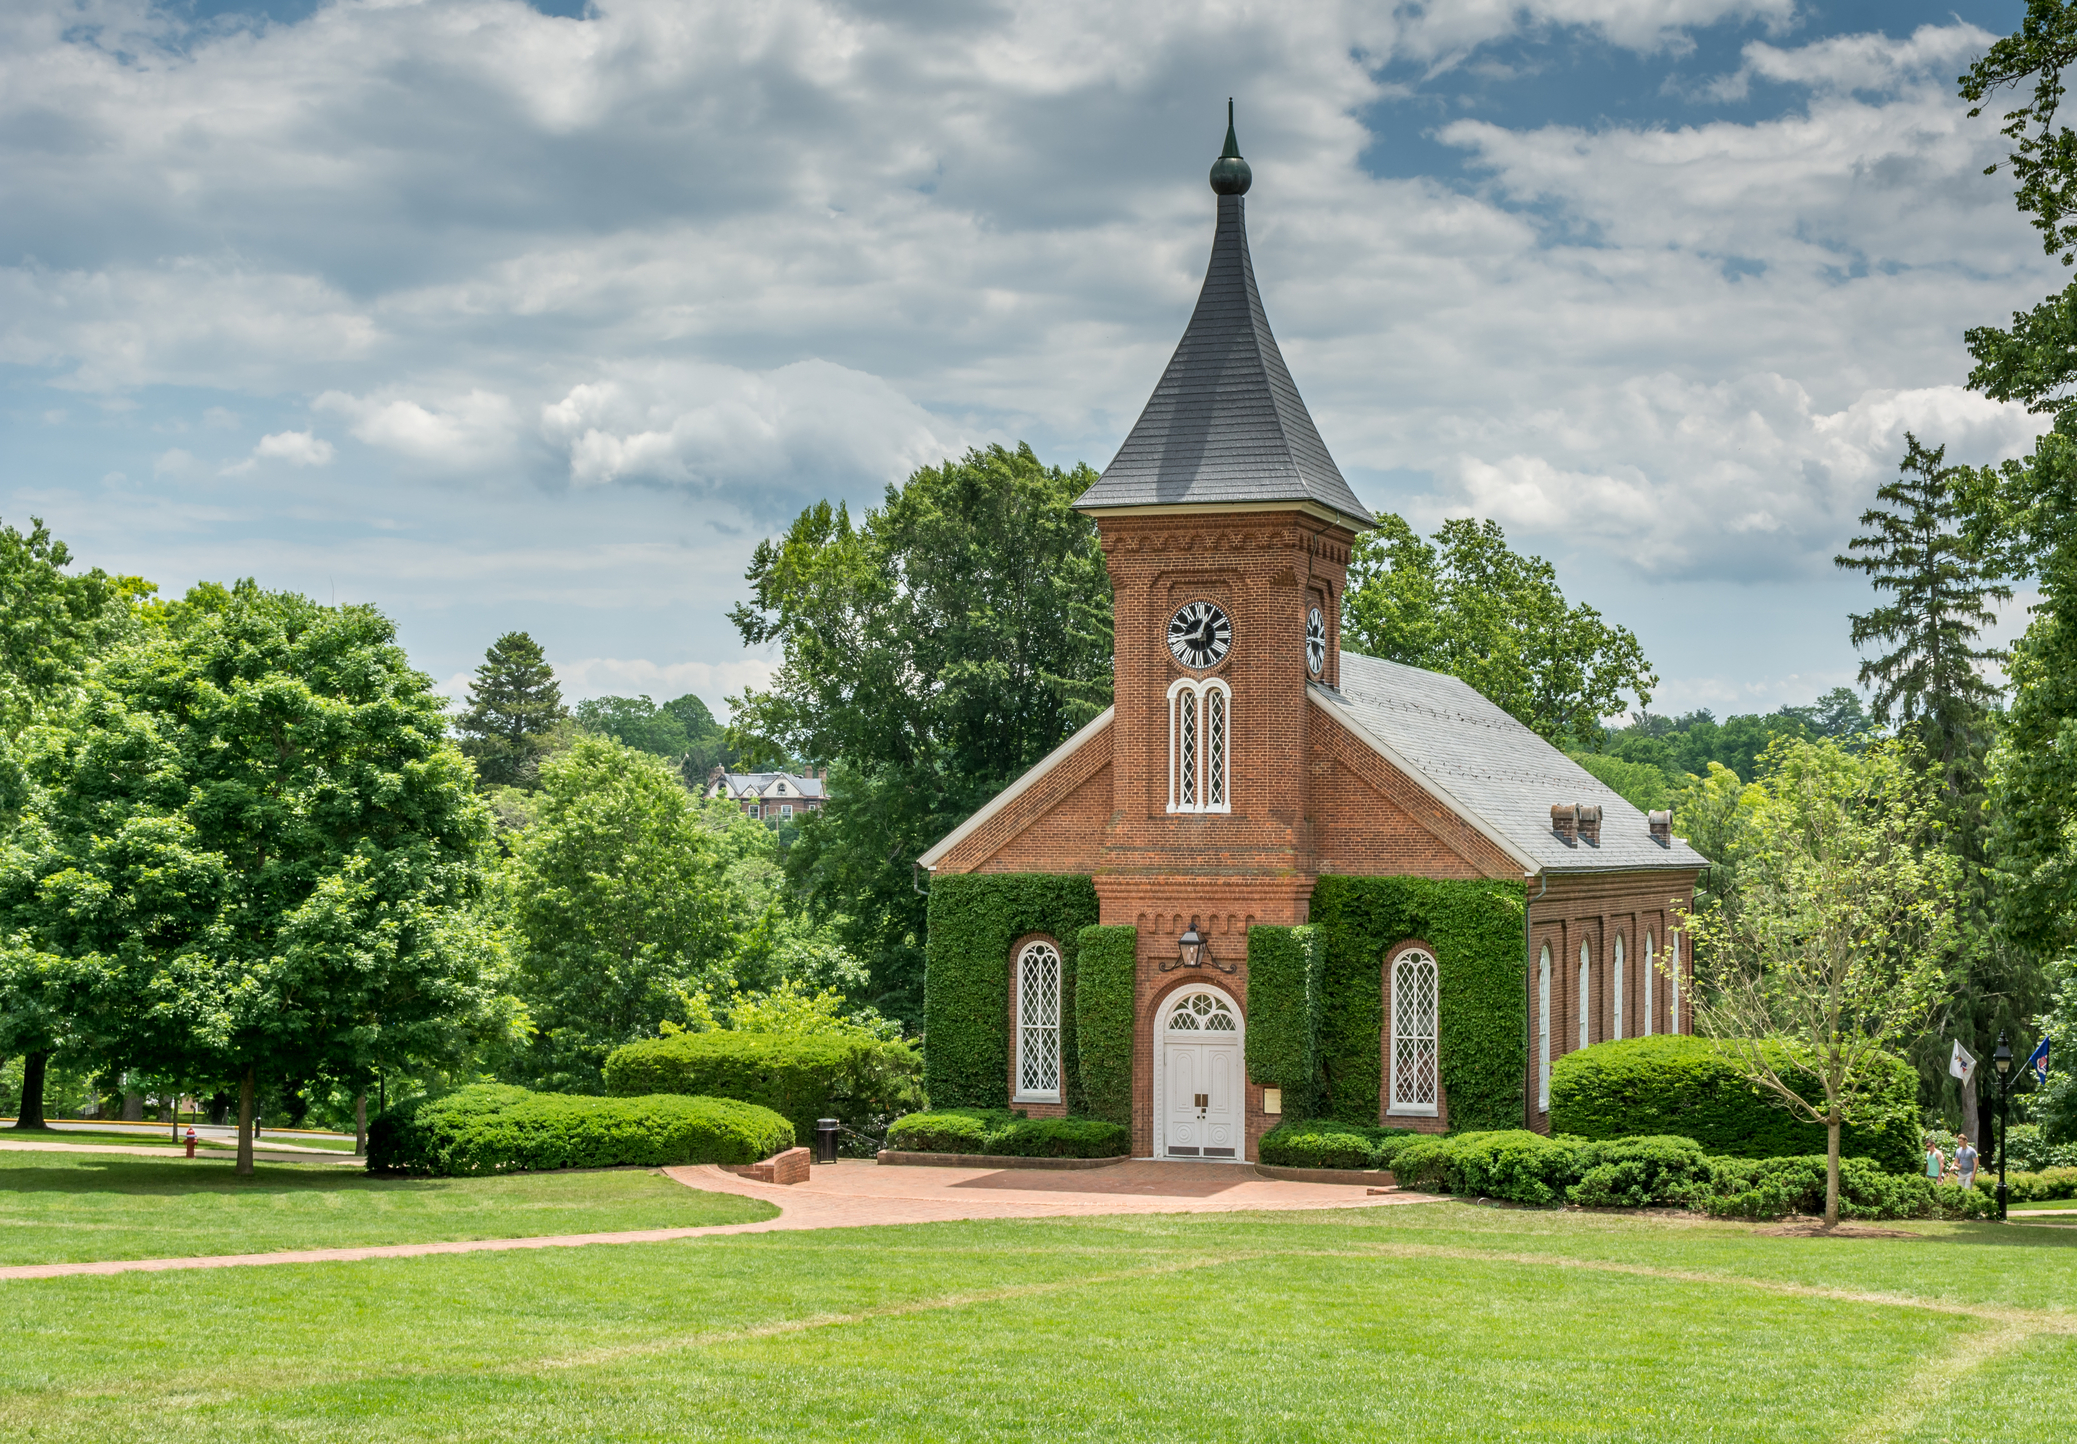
(1190, 950)
(2002, 1061)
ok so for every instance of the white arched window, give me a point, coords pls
(1200, 724)
(1584, 1012)
(1414, 1086)
(1543, 1031)
(1038, 1023)
(1616, 1011)
(1673, 981)
(1651, 1023)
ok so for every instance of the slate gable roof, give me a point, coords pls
(1226, 423)
(1502, 777)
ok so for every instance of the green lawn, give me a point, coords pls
(61, 1207)
(1444, 1321)
(91, 1137)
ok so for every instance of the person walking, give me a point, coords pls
(1936, 1162)
(1964, 1162)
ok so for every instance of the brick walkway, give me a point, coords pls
(857, 1194)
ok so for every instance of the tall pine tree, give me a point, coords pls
(1937, 585)
(513, 704)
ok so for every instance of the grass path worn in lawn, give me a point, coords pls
(1428, 1321)
(63, 1207)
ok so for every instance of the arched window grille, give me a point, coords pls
(1585, 1012)
(1672, 980)
(1038, 1023)
(1414, 1085)
(1616, 1011)
(1543, 1031)
(1651, 1021)
(1200, 716)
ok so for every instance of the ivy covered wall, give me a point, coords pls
(1106, 976)
(1284, 1004)
(1476, 930)
(973, 919)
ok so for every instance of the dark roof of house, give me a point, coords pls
(1226, 423)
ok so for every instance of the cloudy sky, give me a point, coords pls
(502, 315)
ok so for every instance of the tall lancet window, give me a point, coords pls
(1199, 745)
(1617, 1006)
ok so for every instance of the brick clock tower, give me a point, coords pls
(1227, 528)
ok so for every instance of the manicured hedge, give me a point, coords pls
(1106, 972)
(1330, 1143)
(1284, 1000)
(2043, 1187)
(491, 1128)
(1684, 1085)
(1525, 1167)
(1004, 1134)
(1476, 930)
(864, 1082)
(973, 918)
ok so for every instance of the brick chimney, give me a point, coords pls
(1590, 824)
(1662, 827)
(1565, 822)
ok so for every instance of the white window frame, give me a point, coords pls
(1673, 979)
(1043, 1034)
(1202, 782)
(1543, 1031)
(1651, 1024)
(1586, 988)
(1616, 1013)
(1411, 960)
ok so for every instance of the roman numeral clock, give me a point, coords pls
(1200, 635)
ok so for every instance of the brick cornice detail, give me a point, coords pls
(1041, 798)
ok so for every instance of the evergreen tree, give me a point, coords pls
(1939, 587)
(513, 703)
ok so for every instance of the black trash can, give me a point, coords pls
(826, 1140)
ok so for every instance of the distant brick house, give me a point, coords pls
(1483, 903)
(772, 796)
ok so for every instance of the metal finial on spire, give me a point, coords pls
(1230, 174)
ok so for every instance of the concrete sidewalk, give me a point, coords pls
(260, 1154)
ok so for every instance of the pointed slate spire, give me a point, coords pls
(1226, 423)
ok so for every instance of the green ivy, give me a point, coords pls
(1476, 930)
(1106, 972)
(1284, 1003)
(973, 920)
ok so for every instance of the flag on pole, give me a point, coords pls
(2037, 1064)
(1961, 1065)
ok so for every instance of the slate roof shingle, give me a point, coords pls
(1226, 423)
(1502, 776)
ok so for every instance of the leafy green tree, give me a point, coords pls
(1832, 938)
(514, 704)
(52, 623)
(254, 839)
(933, 652)
(682, 729)
(621, 922)
(1471, 606)
(1939, 588)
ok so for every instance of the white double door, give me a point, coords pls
(1202, 1113)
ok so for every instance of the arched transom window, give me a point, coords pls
(1038, 1023)
(1202, 1013)
(1414, 1086)
(1200, 725)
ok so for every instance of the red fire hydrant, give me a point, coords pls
(191, 1143)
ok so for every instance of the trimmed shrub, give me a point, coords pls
(1330, 1143)
(1106, 968)
(1003, 1134)
(973, 918)
(493, 1128)
(1475, 928)
(2043, 1187)
(2027, 1150)
(1284, 997)
(863, 1081)
(1640, 1172)
(1683, 1085)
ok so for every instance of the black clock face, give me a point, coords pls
(1315, 641)
(1200, 635)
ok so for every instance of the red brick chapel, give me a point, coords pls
(1246, 756)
